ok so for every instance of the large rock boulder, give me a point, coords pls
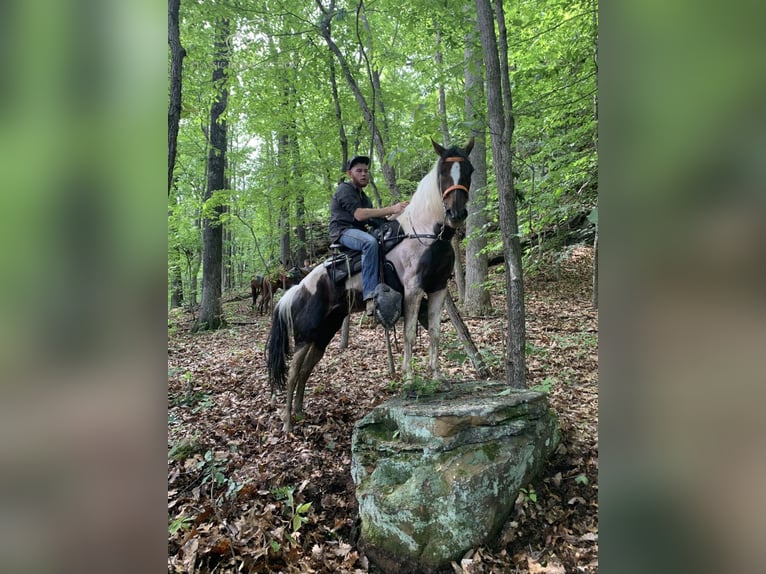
(438, 475)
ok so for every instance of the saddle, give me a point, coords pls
(348, 261)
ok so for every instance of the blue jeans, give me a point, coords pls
(359, 240)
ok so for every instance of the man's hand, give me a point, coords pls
(397, 208)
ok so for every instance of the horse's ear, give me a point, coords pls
(439, 149)
(468, 147)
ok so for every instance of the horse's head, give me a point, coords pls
(454, 176)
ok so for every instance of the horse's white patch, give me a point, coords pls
(286, 301)
(425, 206)
(454, 172)
(310, 281)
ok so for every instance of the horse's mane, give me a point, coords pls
(425, 205)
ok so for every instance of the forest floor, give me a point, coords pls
(244, 497)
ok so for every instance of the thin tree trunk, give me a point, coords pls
(442, 96)
(338, 116)
(465, 337)
(501, 124)
(595, 143)
(192, 265)
(177, 54)
(176, 280)
(594, 298)
(284, 215)
(458, 265)
(476, 300)
(389, 173)
(176, 286)
(211, 311)
(301, 252)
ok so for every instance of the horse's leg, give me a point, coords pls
(296, 365)
(411, 306)
(270, 302)
(265, 303)
(312, 357)
(435, 303)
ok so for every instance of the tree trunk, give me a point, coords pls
(389, 173)
(285, 256)
(192, 265)
(476, 300)
(465, 337)
(176, 287)
(211, 311)
(301, 252)
(594, 297)
(458, 265)
(501, 124)
(442, 97)
(338, 117)
(177, 54)
(283, 153)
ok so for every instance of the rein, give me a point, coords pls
(420, 236)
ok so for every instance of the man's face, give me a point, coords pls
(359, 175)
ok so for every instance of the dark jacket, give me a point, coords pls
(345, 201)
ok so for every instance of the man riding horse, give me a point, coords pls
(351, 212)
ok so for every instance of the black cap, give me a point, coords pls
(358, 159)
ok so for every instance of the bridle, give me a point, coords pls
(446, 192)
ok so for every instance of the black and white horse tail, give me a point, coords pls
(278, 345)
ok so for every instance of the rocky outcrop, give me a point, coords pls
(438, 475)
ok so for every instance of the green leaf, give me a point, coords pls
(303, 508)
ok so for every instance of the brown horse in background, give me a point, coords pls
(256, 286)
(266, 287)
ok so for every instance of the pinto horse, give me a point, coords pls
(307, 317)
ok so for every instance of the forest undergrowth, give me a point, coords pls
(245, 497)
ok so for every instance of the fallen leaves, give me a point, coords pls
(230, 456)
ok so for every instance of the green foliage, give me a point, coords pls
(297, 513)
(180, 522)
(191, 397)
(420, 386)
(545, 386)
(528, 494)
(533, 350)
(185, 449)
(212, 469)
(453, 349)
(492, 360)
(284, 154)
